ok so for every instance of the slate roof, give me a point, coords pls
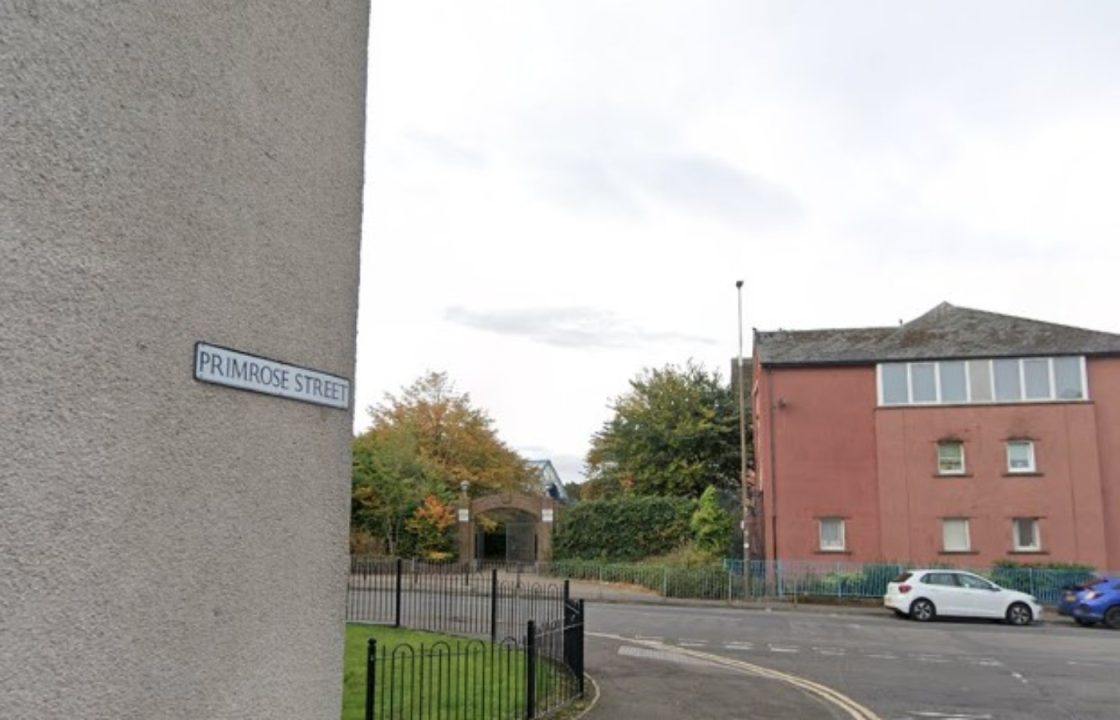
(946, 331)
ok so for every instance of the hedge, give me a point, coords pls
(626, 528)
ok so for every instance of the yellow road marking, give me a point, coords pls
(850, 706)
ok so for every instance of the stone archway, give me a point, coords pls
(541, 508)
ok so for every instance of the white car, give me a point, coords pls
(925, 594)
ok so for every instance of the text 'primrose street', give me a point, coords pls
(223, 366)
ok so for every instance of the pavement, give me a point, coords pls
(653, 662)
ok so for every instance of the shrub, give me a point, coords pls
(686, 556)
(1061, 566)
(711, 524)
(625, 528)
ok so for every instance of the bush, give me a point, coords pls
(711, 524)
(1061, 566)
(686, 556)
(625, 528)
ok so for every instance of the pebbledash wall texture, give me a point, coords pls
(170, 173)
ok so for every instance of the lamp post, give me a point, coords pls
(744, 498)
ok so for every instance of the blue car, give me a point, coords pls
(1092, 603)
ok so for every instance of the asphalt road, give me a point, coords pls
(654, 665)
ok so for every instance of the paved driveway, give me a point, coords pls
(899, 669)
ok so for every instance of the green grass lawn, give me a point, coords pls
(484, 682)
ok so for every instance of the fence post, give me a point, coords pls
(400, 575)
(665, 582)
(567, 591)
(493, 604)
(579, 652)
(530, 671)
(371, 674)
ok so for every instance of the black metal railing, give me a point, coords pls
(527, 659)
(449, 598)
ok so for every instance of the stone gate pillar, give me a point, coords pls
(545, 522)
(466, 526)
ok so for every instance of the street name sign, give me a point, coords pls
(243, 371)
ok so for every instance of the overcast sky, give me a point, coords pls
(561, 193)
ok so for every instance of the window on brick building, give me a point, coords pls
(1069, 376)
(1002, 380)
(954, 387)
(955, 535)
(950, 457)
(896, 384)
(923, 382)
(980, 380)
(1008, 385)
(832, 534)
(1020, 456)
(1027, 537)
(1036, 379)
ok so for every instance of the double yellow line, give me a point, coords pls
(848, 705)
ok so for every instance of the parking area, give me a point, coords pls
(900, 669)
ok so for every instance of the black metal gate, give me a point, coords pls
(521, 542)
(515, 542)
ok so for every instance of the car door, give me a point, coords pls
(943, 590)
(979, 598)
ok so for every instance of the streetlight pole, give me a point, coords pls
(745, 499)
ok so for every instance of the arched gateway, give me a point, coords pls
(506, 527)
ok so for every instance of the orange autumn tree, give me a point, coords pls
(424, 441)
(430, 524)
(453, 436)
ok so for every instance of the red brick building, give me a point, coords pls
(961, 437)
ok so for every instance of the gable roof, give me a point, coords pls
(946, 331)
(551, 484)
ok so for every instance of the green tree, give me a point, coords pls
(711, 525)
(674, 433)
(389, 479)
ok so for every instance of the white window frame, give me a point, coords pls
(1016, 541)
(964, 463)
(967, 535)
(843, 534)
(1030, 447)
(1053, 395)
(1020, 361)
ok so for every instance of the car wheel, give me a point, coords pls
(922, 610)
(1019, 614)
(1112, 617)
(1084, 622)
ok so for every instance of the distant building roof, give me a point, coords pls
(946, 331)
(551, 484)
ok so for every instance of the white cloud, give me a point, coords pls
(560, 193)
